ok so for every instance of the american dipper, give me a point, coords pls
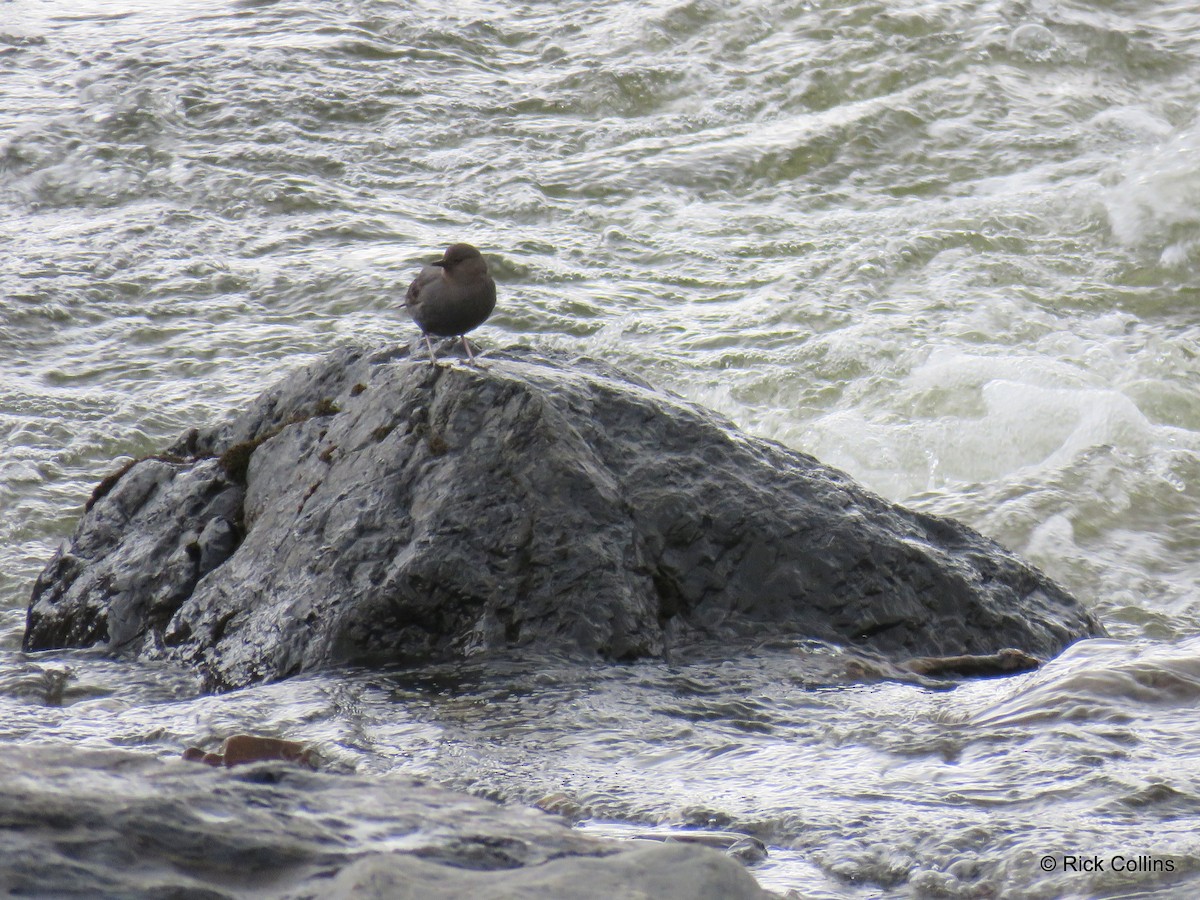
(452, 295)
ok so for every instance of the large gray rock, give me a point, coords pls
(79, 823)
(374, 508)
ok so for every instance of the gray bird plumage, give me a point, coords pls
(452, 295)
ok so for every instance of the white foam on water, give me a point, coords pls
(963, 418)
(1156, 204)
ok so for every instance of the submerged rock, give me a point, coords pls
(372, 508)
(119, 824)
(675, 870)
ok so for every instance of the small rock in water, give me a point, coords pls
(1002, 662)
(248, 748)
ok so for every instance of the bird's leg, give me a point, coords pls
(467, 347)
(432, 355)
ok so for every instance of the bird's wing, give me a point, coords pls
(425, 276)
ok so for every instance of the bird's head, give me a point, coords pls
(456, 254)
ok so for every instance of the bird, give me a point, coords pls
(451, 296)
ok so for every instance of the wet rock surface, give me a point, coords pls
(374, 509)
(77, 823)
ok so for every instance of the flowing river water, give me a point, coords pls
(951, 248)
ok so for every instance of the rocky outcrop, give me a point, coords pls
(118, 824)
(376, 508)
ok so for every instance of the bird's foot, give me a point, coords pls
(467, 346)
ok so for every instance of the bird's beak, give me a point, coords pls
(439, 262)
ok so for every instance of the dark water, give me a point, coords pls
(951, 248)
